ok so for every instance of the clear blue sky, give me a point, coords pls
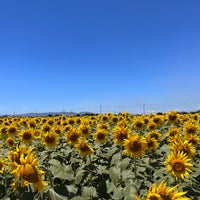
(76, 55)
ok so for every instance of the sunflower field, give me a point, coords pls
(104, 156)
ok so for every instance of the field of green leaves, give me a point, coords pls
(99, 157)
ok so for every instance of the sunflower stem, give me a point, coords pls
(135, 168)
(121, 156)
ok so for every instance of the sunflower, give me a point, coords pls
(1, 165)
(162, 192)
(138, 123)
(173, 134)
(172, 117)
(114, 119)
(10, 142)
(3, 130)
(71, 121)
(50, 139)
(120, 133)
(151, 125)
(194, 140)
(158, 120)
(190, 128)
(72, 136)
(84, 148)
(28, 172)
(36, 133)
(104, 126)
(151, 143)
(32, 123)
(135, 145)
(46, 127)
(26, 136)
(184, 146)
(100, 135)
(155, 134)
(104, 117)
(84, 130)
(57, 129)
(12, 129)
(178, 164)
(67, 128)
(14, 156)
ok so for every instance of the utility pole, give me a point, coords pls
(144, 109)
(100, 109)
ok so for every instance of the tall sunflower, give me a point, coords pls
(84, 148)
(72, 136)
(151, 143)
(135, 145)
(172, 117)
(100, 135)
(26, 135)
(184, 146)
(178, 164)
(162, 192)
(29, 173)
(120, 133)
(50, 139)
(1, 165)
(10, 142)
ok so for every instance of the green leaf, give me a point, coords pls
(116, 159)
(129, 189)
(118, 193)
(110, 186)
(55, 196)
(88, 192)
(61, 171)
(124, 163)
(114, 174)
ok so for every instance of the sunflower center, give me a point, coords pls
(84, 148)
(74, 137)
(122, 136)
(100, 136)
(1, 165)
(10, 142)
(150, 143)
(172, 117)
(178, 166)
(191, 130)
(135, 146)
(49, 139)
(85, 131)
(27, 136)
(12, 130)
(139, 124)
(29, 174)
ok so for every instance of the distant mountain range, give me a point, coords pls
(34, 114)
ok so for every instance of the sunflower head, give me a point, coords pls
(151, 143)
(100, 135)
(138, 123)
(178, 164)
(163, 192)
(10, 142)
(172, 116)
(27, 135)
(135, 145)
(72, 136)
(84, 148)
(50, 139)
(151, 125)
(120, 133)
